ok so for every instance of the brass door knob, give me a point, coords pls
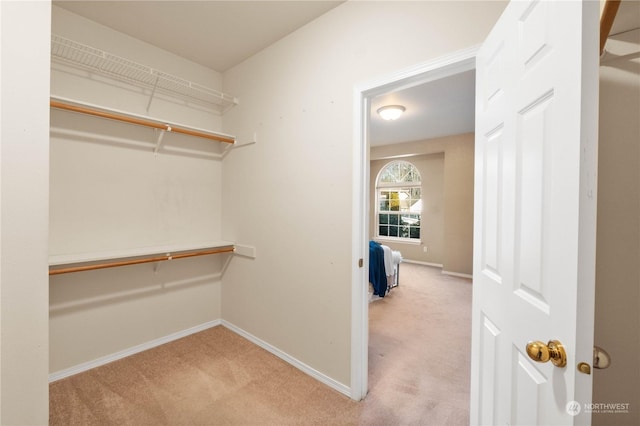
(553, 351)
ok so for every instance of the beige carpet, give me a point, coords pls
(418, 363)
(419, 351)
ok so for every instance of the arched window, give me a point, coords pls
(399, 202)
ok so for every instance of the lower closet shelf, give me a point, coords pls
(63, 264)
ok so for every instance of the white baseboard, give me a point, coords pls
(457, 274)
(129, 351)
(418, 262)
(438, 265)
(323, 378)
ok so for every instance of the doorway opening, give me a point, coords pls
(431, 71)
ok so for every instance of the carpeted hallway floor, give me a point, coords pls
(420, 338)
(419, 351)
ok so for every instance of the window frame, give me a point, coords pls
(396, 187)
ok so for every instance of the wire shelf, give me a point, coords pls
(95, 60)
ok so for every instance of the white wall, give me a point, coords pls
(24, 165)
(617, 319)
(110, 192)
(290, 195)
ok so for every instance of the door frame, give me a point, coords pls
(432, 70)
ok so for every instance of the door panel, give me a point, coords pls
(536, 102)
(489, 353)
(534, 185)
(529, 384)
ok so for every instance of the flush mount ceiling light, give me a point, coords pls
(391, 112)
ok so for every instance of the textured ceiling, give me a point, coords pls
(216, 34)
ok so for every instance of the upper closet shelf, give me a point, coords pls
(140, 120)
(62, 264)
(82, 56)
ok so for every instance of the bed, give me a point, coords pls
(384, 269)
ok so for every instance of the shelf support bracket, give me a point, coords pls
(159, 139)
(156, 265)
(153, 93)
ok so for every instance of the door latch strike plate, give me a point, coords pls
(360, 263)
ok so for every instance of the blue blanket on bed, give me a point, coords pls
(377, 274)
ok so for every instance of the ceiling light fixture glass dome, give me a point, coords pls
(391, 112)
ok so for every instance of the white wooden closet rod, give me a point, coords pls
(137, 261)
(139, 121)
